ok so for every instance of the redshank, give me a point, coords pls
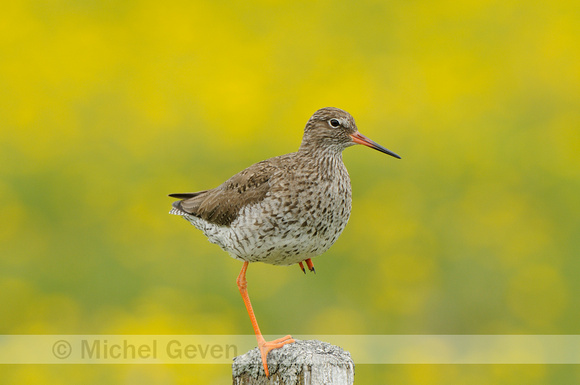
(283, 210)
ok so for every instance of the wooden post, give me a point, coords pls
(300, 363)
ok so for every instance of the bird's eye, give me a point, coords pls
(334, 122)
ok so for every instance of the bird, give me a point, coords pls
(284, 210)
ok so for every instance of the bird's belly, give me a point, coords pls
(271, 234)
(269, 244)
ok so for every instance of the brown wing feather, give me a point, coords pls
(222, 204)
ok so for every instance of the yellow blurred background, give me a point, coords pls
(107, 106)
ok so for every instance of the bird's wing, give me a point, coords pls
(222, 204)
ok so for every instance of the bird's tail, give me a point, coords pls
(177, 209)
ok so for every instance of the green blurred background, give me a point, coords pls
(106, 107)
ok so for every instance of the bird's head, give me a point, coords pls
(333, 129)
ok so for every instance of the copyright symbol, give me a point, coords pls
(61, 349)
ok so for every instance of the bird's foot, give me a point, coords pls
(266, 346)
(309, 264)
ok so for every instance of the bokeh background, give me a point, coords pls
(106, 107)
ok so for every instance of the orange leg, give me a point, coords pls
(265, 346)
(302, 267)
(310, 265)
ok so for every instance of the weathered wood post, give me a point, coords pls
(300, 363)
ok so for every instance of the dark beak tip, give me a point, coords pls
(358, 138)
(391, 153)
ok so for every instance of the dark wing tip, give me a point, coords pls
(182, 195)
(188, 203)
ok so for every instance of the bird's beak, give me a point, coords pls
(359, 138)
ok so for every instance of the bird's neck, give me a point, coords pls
(321, 153)
(326, 159)
(320, 150)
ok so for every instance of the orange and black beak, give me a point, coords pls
(359, 138)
